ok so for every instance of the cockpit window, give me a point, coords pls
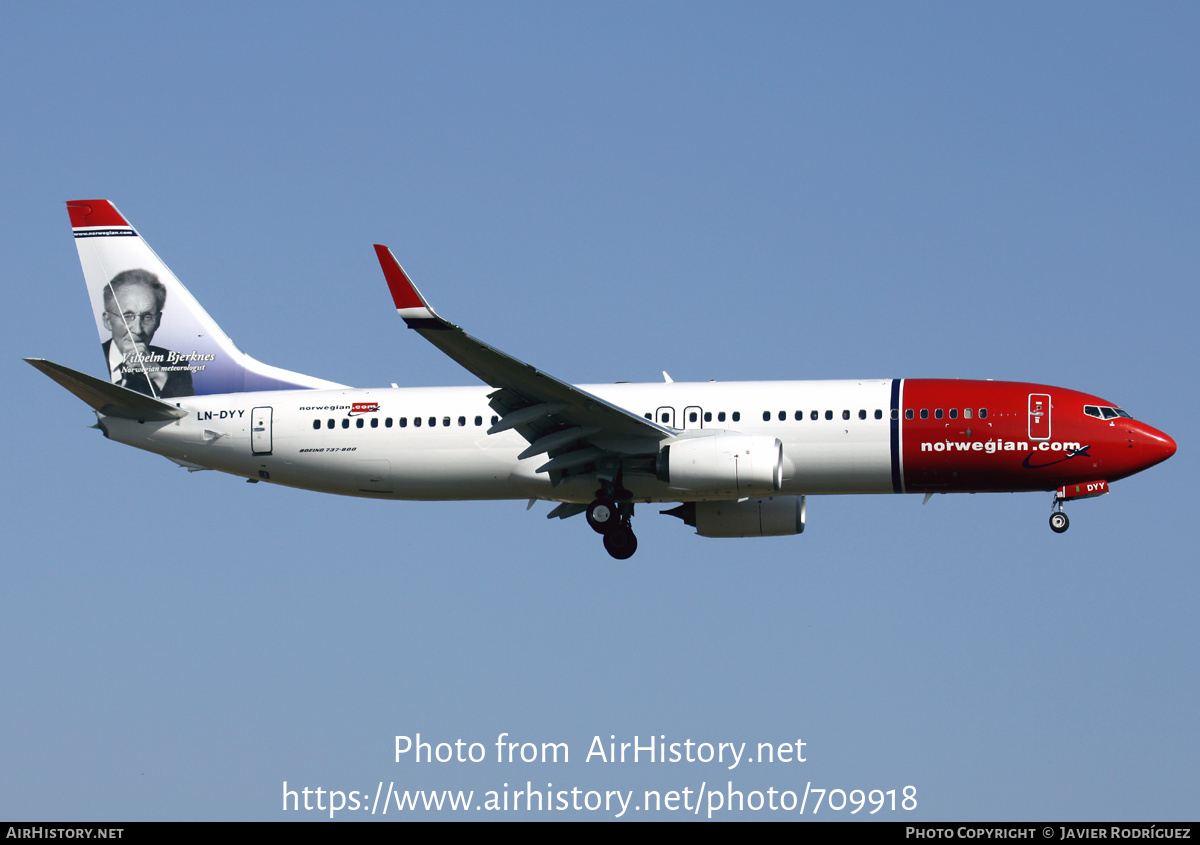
(1103, 412)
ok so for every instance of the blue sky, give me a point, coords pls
(773, 192)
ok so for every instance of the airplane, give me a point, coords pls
(740, 458)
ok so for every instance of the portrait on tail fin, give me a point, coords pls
(133, 308)
(136, 300)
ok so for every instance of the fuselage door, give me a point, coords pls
(665, 416)
(693, 417)
(260, 431)
(1039, 416)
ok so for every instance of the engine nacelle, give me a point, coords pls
(723, 465)
(774, 516)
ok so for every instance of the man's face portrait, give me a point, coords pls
(133, 316)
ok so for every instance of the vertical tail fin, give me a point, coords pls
(156, 337)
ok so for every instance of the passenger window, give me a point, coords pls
(462, 420)
(862, 415)
(954, 413)
(737, 416)
(359, 422)
(845, 415)
(666, 418)
(693, 417)
(829, 415)
(346, 423)
(329, 424)
(316, 424)
(374, 422)
(937, 415)
(782, 416)
(404, 422)
(649, 417)
(983, 413)
(479, 421)
(721, 416)
(387, 423)
(708, 416)
(446, 421)
(432, 422)
(417, 422)
(816, 415)
(495, 419)
(799, 416)
(924, 413)
(879, 414)
(766, 416)
(966, 413)
(908, 413)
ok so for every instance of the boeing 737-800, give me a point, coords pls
(739, 457)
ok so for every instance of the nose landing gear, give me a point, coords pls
(1058, 517)
(1087, 490)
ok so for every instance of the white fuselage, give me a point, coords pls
(320, 440)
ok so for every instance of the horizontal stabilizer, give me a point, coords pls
(109, 399)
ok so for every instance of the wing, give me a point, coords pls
(576, 429)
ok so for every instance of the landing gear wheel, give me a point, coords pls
(1059, 522)
(603, 516)
(620, 543)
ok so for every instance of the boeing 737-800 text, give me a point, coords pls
(740, 457)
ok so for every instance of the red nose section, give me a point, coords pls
(1156, 446)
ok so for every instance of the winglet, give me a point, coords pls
(409, 303)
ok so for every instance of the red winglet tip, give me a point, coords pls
(94, 213)
(404, 293)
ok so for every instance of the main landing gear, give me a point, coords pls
(1058, 518)
(611, 519)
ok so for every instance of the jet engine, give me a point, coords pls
(723, 465)
(773, 516)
